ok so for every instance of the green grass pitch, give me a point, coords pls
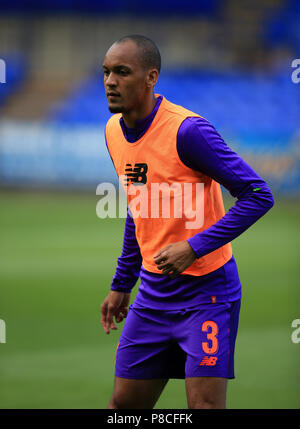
(56, 263)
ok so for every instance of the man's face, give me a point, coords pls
(124, 77)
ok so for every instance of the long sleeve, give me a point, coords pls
(130, 261)
(201, 148)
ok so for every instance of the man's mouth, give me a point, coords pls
(113, 95)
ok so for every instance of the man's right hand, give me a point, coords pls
(115, 305)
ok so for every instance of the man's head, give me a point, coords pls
(131, 67)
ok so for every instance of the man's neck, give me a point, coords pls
(132, 117)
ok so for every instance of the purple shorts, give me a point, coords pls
(178, 343)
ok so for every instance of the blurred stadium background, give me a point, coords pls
(230, 61)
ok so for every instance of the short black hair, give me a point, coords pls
(150, 55)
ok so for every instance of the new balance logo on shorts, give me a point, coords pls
(209, 361)
(136, 174)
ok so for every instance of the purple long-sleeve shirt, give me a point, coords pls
(201, 148)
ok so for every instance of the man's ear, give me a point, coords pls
(152, 78)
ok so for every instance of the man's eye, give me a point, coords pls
(123, 72)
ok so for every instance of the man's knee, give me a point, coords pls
(112, 404)
(206, 392)
(206, 402)
(117, 402)
(136, 393)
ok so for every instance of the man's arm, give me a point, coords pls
(127, 273)
(130, 261)
(201, 148)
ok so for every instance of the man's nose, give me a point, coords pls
(111, 80)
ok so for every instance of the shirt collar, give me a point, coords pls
(134, 134)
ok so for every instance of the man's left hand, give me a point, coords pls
(175, 258)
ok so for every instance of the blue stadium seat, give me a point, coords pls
(238, 101)
(15, 72)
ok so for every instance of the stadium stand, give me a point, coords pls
(230, 100)
(282, 26)
(117, 7)
(232, 60)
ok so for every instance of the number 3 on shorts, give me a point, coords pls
(212, 331)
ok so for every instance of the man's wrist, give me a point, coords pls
(192, 242)
(119, 289)
(118, 286)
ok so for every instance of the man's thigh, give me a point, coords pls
(147, 350)
(130, 393)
